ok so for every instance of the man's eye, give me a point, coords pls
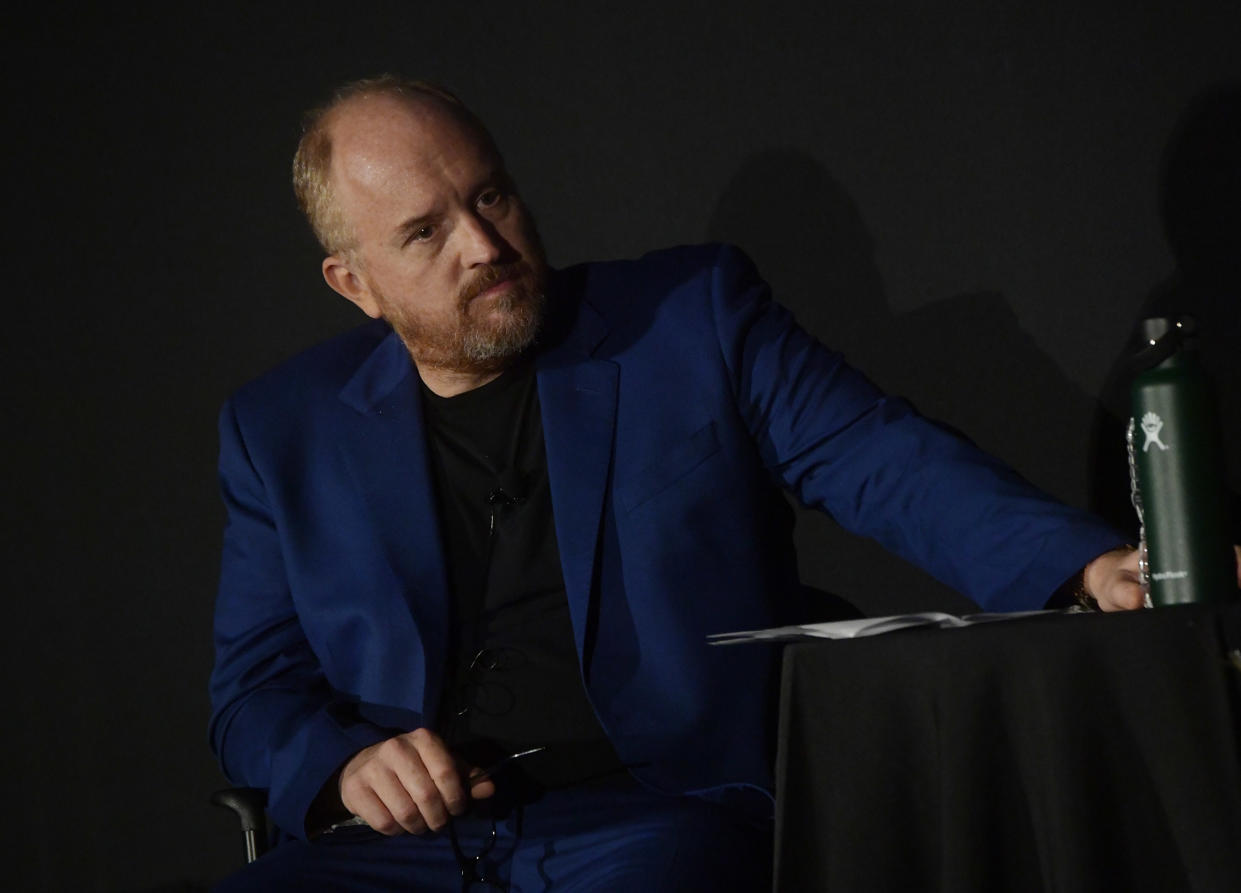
(422, 234)
(490, 198)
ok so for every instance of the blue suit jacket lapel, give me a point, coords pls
(578, 397)
(386, 451)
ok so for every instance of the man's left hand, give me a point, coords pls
(1115, 582)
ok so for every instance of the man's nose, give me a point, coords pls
(481, 242)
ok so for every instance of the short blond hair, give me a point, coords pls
(312, 163)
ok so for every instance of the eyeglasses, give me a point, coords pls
(474, 868)
(480, 690)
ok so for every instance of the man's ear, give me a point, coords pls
(339, 274)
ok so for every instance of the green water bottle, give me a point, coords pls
(1177, 464)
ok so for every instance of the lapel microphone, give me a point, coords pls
(511, 489)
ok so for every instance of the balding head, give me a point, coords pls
(423, 227)
(357, 112)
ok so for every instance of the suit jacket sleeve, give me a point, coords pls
(881, 470)
(276, 723)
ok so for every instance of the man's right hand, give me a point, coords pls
(409, 783)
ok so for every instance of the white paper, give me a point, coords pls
(864, 626)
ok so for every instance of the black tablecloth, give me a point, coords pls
(1066, 752)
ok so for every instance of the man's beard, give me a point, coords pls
(477, 340)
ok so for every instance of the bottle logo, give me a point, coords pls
(1170, 575)
(1151, 426)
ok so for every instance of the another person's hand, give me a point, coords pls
(409, 783)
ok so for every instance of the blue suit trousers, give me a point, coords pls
(585, 839)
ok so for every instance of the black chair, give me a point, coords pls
(249, 804)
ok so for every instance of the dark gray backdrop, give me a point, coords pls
(962, 196)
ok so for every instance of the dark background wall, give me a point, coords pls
(962, 196)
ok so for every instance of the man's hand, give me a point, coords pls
(408, 783)
(1114, 579)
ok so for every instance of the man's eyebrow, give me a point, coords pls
(495, 177)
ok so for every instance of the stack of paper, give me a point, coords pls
(864, 626)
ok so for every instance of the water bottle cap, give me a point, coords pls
(1161, 338)
(1155, 327)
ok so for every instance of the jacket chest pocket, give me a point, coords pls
(670, 467)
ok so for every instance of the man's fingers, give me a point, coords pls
(481, 788)
(1122, 595)
(375, 794)
(388, 810)
(424, 794)
(409, 782)
(440, 784)
(405, 811)
(1114, 580)
(1127, 592)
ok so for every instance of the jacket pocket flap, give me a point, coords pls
(674, 464)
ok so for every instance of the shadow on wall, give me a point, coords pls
(1200, 202)
(963, 360)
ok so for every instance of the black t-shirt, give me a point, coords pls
(514, 680)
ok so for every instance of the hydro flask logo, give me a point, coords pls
(1151, 426)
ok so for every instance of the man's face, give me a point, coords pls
(444, 249)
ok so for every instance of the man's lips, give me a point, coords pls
(502, 286)
(495, 282)
(507, 286)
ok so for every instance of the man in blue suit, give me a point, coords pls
(503, 517)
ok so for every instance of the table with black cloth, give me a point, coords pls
(1063, 752)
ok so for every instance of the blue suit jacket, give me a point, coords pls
(677, 399)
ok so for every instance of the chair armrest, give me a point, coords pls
(248, 804)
